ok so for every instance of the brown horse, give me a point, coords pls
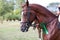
(38, 14)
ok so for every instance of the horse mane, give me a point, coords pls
(42, 9)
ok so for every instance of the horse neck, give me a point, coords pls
(45, 18)
(43, 15)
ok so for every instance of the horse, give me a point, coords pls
(39, 14)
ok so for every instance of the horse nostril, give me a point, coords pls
(22, 30)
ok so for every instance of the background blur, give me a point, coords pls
(10, 16)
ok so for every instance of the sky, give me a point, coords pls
(43, 2)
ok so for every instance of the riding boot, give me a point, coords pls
(58, 25)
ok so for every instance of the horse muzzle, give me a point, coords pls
(24, 28)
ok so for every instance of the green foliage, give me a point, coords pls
(15, 15)
(11, 9)
(5, 7)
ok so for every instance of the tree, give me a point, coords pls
(10, 8)
(6, 7)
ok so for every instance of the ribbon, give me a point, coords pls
(43, 26)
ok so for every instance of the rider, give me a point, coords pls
(58, 13)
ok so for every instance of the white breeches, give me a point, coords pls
(59, 18)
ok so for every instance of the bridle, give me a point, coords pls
(28, 16)
(28, 22)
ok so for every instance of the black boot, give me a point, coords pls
(58, 25)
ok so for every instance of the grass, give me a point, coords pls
(11, 31)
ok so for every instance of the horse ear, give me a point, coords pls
(27, 2)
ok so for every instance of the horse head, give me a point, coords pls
(27, 17)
